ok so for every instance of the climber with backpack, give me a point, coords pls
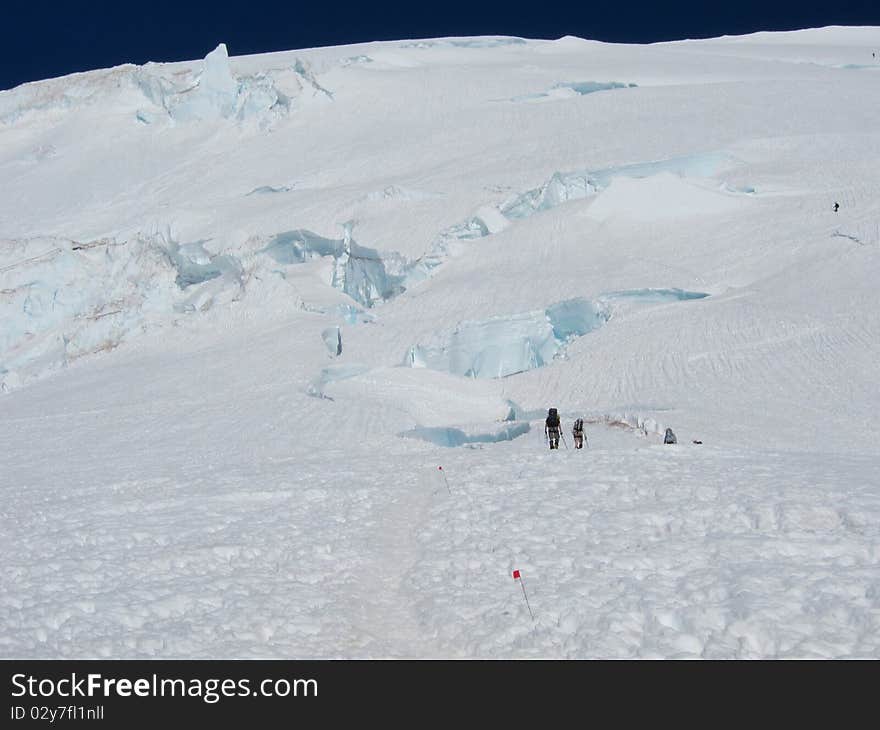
(552, 428)
(669, 438)
(577, 432)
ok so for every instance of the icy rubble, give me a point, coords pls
(195, 265)
(210, 91)
(217, 94)
(479, 42)
(61, 94)
(61, 300)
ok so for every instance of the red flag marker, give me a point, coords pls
(517, 576)
(445, 479)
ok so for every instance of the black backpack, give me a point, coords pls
(579, 425)
(552, 419)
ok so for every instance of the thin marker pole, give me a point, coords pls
(517, 576)
(445, 479)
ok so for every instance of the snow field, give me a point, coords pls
(192, 468)
(652, 553)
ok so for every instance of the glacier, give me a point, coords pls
(281, 329)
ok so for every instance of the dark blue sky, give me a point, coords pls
(41, 40)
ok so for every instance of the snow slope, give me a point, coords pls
(249, 303)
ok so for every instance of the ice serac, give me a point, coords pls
(301, 245)
(357, 270)
(216, 93)
(506, 345)
(452, 437)
(216, 76)
(452, 241)
(332, 337)
(196, 265)
(362, 275)
(565, 186)
(559, 189)
(501, 346)
(575, 318)
(568, 89)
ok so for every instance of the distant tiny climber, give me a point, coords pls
(669, 438)
(552, 428)
(577, 432)
(836, 207)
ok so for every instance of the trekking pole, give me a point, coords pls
(562, 434)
